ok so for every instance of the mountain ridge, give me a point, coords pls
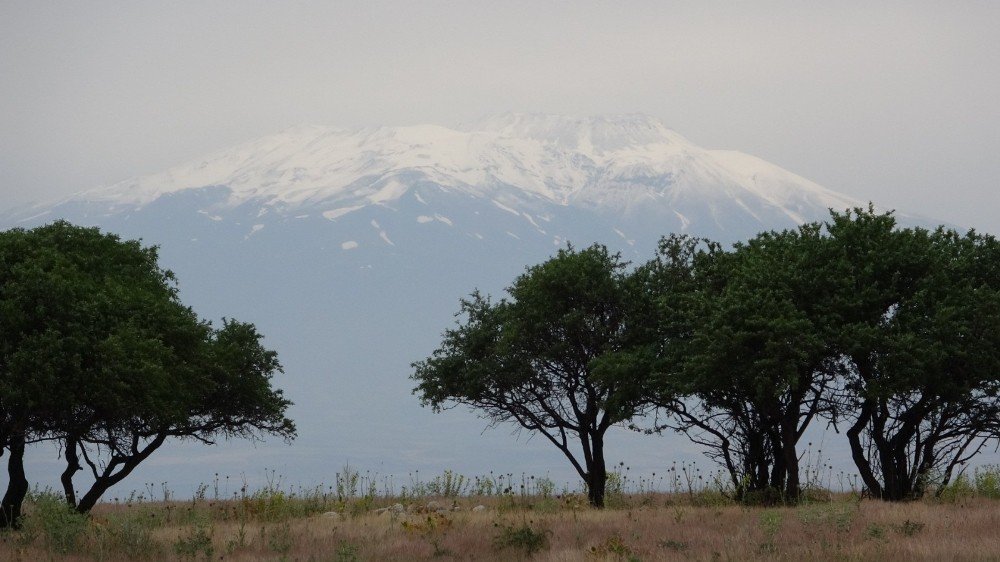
(614, 164)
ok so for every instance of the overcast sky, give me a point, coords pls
(896, 103)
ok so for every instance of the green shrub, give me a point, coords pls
(55, 521)
(958, 489)
(762, 498)
(524, 537)
(448, 485)
(268, 504)
(988, 481)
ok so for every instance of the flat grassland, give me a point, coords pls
(647, 526)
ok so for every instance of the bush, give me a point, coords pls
(268, 504)
(524, 537)
(988, 481)
(767, 497)
(52, 518)
(958, 489)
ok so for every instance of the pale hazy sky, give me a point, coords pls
(895, 102)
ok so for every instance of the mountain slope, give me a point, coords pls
(625, 166)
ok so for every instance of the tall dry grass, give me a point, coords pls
(646, 526)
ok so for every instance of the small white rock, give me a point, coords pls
(332, 515)
(479, 508)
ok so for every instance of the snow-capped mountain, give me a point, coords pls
(629, 167)
(351, 248)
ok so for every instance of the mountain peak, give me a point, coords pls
(620, 164)
(600, 133)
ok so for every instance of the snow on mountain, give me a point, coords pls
(618, 164)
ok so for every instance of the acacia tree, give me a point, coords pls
(97, 352)
(921, 343)
(225, 394)
(532, 359)
(743, 365)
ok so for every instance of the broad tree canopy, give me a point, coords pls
(920, 341)
(97, 351)
(531, 359)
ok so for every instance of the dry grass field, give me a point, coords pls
(274, 525)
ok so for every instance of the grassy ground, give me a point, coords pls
(273, 525)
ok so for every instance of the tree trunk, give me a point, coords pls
(788, 438)
(17, 486)
(110, 478)
(597, 473)
(596, 484)
(858, 452)
(779, 468)
(72, 466)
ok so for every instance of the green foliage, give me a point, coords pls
(960, 488)
(347, 483)
(918, 331)
(892, 333)
(521, 537)
(765, 497)
(541, 358)
(448, 485)
(988, 481)
(894, 330)
(268, 504)
(56, 523)
(96, 350)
